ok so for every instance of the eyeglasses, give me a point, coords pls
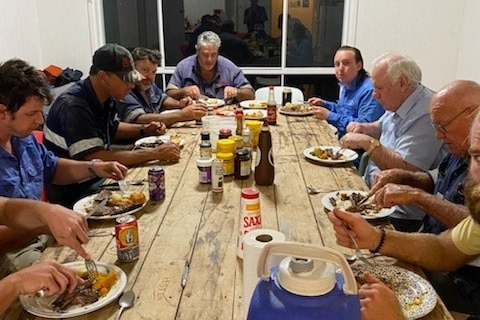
(443, 127)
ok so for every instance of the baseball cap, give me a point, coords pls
(116, 59)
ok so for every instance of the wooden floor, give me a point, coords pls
(193, 224)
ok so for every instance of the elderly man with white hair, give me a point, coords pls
(206, 73)
(403, 137)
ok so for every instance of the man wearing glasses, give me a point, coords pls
(440, 199)
(454, 113)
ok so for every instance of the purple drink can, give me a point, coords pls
(156, 183)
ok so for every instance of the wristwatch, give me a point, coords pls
(373, 144)
(90, 166)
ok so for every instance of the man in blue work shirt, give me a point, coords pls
(355, 102)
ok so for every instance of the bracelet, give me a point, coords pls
(382, 241)
(142, 130)
(90, 166)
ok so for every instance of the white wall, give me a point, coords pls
(429, 31)
(46, 32)
(469, 43)
(441, 35)
(19, 34)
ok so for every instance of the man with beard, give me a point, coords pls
(146, 102)
(441, 202)
(208, 74)
(452, 251)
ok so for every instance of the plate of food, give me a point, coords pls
(255, 114)
(348, 199)
(416, 295)
(254, 104)
(155, 141)
(86, 298)
(110, 205)
(330, 154)
(296, 109)
(212, 101)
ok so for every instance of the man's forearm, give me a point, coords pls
(13, 239)
(448, 213)
(245, 94)
(385, 159)
(168, 118)
(429, 251)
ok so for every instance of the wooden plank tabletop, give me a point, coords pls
(193, 224)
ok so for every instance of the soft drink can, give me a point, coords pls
(156, 183)
(126, 234)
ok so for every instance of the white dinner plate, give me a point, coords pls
(348, 155)
(213, 101)
(41, 306)
(416, 295)
(254, 104)
(384, 212)
(255, 114)
(287, 112)
(154, 139)
(83, 203)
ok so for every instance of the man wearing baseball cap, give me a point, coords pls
(83, 122)
(116, 59)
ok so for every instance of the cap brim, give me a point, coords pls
(131, 76)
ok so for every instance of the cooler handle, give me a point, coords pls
(306, 251)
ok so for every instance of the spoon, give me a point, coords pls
(126, 301)
(313, 190)
(351, 258)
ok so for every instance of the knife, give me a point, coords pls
(369, 195)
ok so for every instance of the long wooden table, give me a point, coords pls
(193, 224)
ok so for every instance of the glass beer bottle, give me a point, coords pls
(271, 107)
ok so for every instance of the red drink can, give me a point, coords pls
(126, 234)
(156, 183)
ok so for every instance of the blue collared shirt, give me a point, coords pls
(134, 104)
(354, 104)
(24, 173)
(409, 132)
(227, 74)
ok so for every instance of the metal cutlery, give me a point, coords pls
(312, 190)
(126, 301)
(358, 253)
(116, 185)
(362, 202)
(91, 269)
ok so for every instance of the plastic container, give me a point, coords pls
(255, 127)
(250, 216)
(213, 124)
(264, 169)
(238, 141)
(305, 285)
(217, 175)
(226, 145)
(228, 164)
(204, 170)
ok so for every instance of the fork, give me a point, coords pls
(91, 269)
(358, 253)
